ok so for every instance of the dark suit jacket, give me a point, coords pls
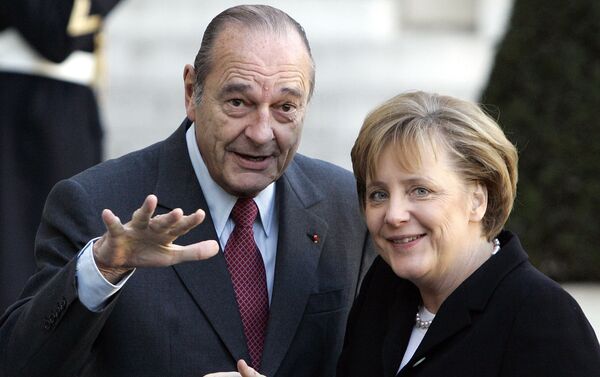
(183, 320)
(507, 319)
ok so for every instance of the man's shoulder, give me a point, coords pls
(323, 173)
(327, 188)
(142, 162)
(130, 165)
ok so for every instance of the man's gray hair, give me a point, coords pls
(262, 17)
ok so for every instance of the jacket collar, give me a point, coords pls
(297, 261)
(209, 282)
(470, 297)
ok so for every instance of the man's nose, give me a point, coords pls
(260, 130)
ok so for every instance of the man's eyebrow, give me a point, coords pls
(245, 88)
(293, 92)
(235, 88)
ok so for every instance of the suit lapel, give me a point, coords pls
(401, 318)
(454, 317)
(207, 281)
(296, 263)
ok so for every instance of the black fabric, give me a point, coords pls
(50, 130)
(506, 320)
(43, 24)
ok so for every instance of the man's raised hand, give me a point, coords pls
(147, 241)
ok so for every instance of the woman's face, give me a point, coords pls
(426, 223)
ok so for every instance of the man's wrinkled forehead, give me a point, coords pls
(270, 58)
(283, 49)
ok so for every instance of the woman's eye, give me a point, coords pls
(377, 196)
(421, 191)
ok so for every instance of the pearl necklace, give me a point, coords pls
(496, 246)
(420, 324)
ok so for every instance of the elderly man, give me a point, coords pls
(266, 261)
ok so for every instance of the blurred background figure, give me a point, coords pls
(49, 120)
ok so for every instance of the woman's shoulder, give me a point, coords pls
(520, 277)
(529, 284)
(538, 301)
(547, 326)
(381, 287)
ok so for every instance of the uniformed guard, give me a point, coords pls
(49, 122)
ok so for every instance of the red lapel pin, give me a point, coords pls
(315, 238)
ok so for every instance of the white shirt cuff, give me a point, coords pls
(93, 289)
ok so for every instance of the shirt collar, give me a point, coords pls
(220, 203)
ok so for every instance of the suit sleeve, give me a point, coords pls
(551, 337)
(368, 256)
(49, 329)
(351, 359)
(55, 28)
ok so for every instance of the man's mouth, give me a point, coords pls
(252, 158)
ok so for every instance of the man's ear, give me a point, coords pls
(479, 198)
(189, 80)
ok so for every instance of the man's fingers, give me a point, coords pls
(164, 223)
(112, 223)
(202, 250)
(206, 249)
(146, 241)
(186, 223)
(246, 371)
(194, 252)
(141, 216)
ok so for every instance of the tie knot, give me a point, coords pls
(244, 212)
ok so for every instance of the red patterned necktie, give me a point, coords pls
(247, 272)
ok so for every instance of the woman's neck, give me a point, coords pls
(436, 292)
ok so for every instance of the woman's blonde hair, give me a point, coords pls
(414, 123)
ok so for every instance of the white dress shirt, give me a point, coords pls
(416, 337)
(94, 290)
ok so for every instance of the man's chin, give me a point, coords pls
(249, 184)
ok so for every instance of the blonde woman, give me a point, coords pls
(452, 293)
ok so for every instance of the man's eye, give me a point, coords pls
(287, 107)
(236, 102)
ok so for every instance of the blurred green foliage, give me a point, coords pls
(544, 90)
